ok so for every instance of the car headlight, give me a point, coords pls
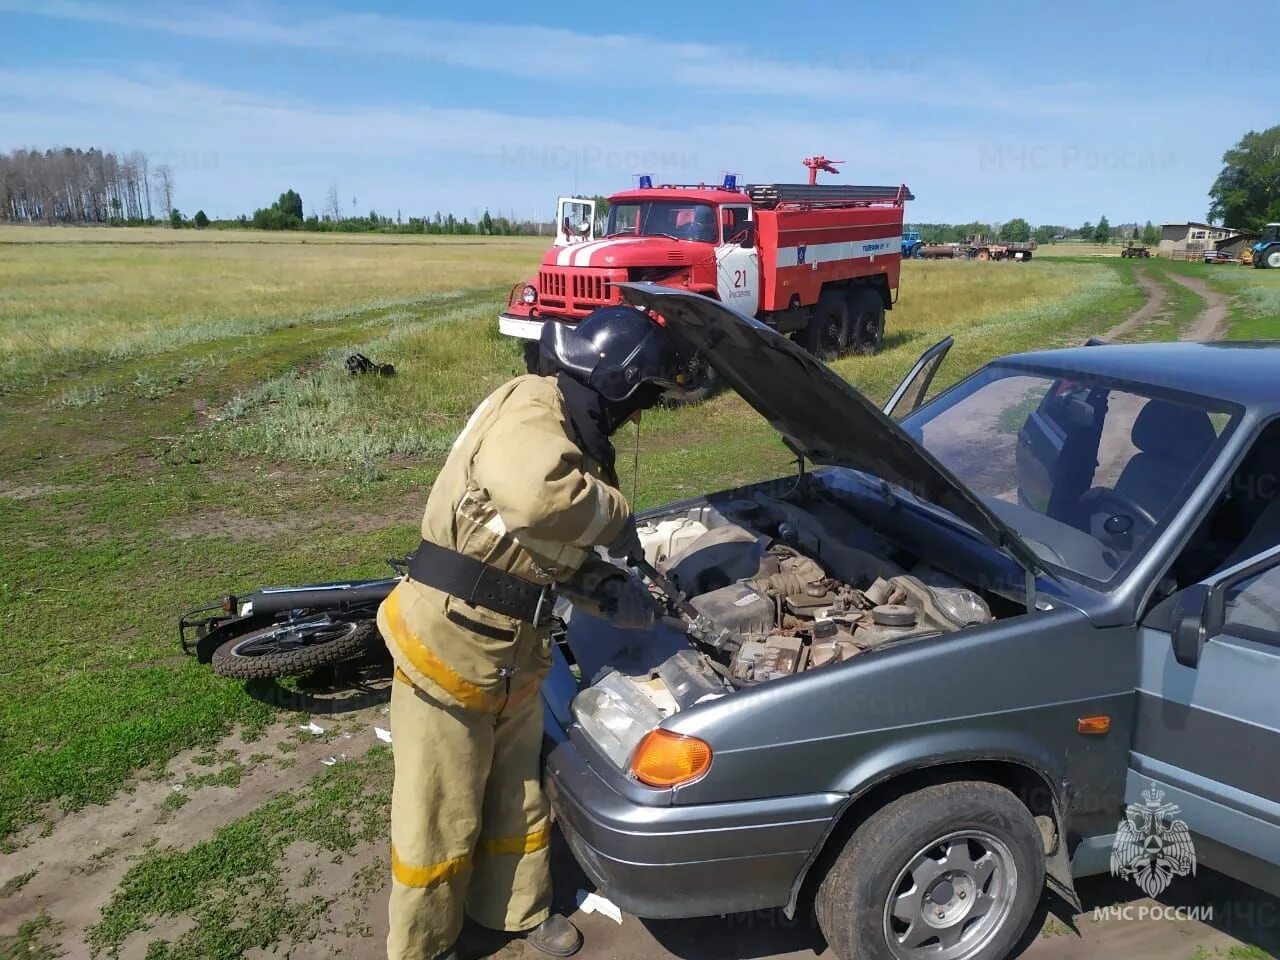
(529, 294)
(615, 716)
(963, 607)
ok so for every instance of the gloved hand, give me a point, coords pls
(627, 543)
(627, 604)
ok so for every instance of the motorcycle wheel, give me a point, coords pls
(291, 649)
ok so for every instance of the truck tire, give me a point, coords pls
(1272, 257)
(983, 254)
(955, 870)
(700, 383)
(828, 333)
(866, 317)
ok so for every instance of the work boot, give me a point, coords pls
(555, 936)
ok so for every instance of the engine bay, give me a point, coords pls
(787, 612)
(791, 582)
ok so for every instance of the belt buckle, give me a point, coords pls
(542, 602)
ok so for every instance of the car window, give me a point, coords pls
(1252, 607)
(1093, 458)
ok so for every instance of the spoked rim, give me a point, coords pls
(293, 636)
(951, 898)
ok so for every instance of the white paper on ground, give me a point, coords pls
(383, 735)
(594, 903)
(312, 727)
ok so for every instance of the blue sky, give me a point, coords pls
(1054, 112)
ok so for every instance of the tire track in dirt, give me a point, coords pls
(1211, 322)
(1156, 296)
(80, 860)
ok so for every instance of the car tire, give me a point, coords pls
(872, 891)
(866, 317)
(827, 335)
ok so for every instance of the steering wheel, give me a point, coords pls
(1114, 505)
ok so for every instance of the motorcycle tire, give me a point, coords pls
(291, 649)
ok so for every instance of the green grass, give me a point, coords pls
(233, 885)
(32, 941)
(15, 884)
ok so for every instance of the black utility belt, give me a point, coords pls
(477, 583)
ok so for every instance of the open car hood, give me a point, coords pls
(821, 415)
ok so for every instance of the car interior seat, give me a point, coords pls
(1171, 439)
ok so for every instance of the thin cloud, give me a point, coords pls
(562, 54)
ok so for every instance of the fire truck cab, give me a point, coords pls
(820, 262)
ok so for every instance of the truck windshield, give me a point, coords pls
(1271, 233)
(678, 219)
(1086, 472)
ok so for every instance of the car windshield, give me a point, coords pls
(681, 219)
(1086, 472)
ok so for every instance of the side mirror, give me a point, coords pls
(746, 237)
(1190, 624)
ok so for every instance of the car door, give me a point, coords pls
(1207, 730)
(914, 387)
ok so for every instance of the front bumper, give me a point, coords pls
(685, 860)
(525, 328)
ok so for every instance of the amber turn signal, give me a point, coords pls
(666, 759)
(1092, 726)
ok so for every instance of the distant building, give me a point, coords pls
(1182, 241)
(1236, 243)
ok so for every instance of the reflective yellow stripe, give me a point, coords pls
(411, 876)
(431, 666)
(515, 846)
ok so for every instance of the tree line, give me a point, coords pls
(286, 213)
(71, 185)
(1019, 230)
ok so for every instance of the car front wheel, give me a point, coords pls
(948, 872)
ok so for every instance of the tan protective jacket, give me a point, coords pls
(517, 493)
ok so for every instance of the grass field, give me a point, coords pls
(176, 424)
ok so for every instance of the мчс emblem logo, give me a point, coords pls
(1152, 846)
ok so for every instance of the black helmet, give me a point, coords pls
(614, 351)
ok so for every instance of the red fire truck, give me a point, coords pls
(819, 261)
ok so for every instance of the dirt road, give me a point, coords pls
(1209, 323)
(1156, 296)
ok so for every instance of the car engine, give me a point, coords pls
(790, 615)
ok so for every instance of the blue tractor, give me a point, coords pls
(911, 244)
(1266, 252)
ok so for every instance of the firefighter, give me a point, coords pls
(526, 493)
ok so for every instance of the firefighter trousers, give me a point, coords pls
(470, 826)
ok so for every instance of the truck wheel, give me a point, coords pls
(700, 383)
(1272, 258)
(949, 872)
(982, 255)
(866, 312)
(917, 253)
(827, 335)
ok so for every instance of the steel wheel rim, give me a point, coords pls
(951, 898)
(287, 637)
